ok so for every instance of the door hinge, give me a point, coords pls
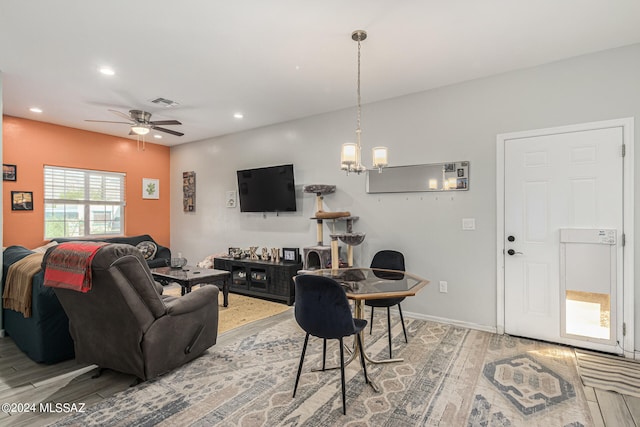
(624, 239)
(624, 150)
(624, 329)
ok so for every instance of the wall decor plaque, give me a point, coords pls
(189, 191)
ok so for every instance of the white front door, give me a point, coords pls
(552, 181)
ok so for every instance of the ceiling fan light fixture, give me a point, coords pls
(140, 129)
(107, 71)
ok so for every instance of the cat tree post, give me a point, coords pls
(319, 198)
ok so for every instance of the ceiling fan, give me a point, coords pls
(141, 124)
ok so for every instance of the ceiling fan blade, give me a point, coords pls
(121, 114)
(165, 122)
(172, 132)
(107, 121)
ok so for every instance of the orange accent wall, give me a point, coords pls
(30, 145)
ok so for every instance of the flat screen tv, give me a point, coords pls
(269, 189)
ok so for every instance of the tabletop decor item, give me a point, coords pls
(291, 254)
(275, 254)
(178, 262)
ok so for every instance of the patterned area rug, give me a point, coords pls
(450, 376)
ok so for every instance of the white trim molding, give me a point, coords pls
(446, 321)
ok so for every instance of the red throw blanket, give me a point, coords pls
(69, 265)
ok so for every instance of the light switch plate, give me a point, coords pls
(468, 223)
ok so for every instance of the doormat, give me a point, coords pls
(613, 373)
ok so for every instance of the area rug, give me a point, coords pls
(241, 309)
(611, 373)
(450, 376)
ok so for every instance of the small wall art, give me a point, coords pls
(189, 191)
(21, 200)
(150, 188)
(9, 172)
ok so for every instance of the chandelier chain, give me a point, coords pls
(358, 130)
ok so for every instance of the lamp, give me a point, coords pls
(350, 158)
(140, 129)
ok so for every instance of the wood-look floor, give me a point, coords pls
(24, 381)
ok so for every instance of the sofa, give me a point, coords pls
(44, 336)
(123, 323)
(161, 257)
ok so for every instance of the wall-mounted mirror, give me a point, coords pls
(453, 176)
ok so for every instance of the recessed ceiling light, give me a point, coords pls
(157, 136)
(107, 71)
(238, 115)
(35, 110)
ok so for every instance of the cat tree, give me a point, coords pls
(320, 252)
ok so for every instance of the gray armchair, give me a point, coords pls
(123, 323)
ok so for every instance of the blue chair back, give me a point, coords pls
(322, 308)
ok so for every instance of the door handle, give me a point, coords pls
(512, 252)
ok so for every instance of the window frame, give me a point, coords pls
(85, 203)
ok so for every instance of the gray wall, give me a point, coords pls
(453, 123)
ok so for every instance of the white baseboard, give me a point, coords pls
(468, 325)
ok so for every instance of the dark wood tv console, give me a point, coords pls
(262, 279)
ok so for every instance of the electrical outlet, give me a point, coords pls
(443, 286)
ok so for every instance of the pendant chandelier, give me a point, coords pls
(350, 158)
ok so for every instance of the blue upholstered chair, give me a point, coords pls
(390, 260)
(322, 310)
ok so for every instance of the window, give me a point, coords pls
(81, 203)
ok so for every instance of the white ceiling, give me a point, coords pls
(274, 60)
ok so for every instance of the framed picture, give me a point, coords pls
(9, 172)
(189, 191)
(235, 252)
(21, 200)
(290, 255)
(150, 188)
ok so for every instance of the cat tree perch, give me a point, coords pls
(350, 238)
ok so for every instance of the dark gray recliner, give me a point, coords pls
(123, 323)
